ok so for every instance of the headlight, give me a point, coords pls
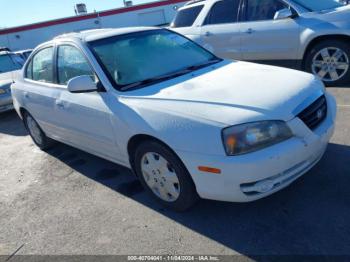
(2, 91)
(245, 138)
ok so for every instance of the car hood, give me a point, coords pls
(340, 14)
(230, 93)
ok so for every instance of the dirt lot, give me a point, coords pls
(65, 201)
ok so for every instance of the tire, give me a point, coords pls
(36, 133)
(318, 62)
(157, 166)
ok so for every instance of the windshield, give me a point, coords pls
(318, 5)
(136, 59)
(7, 64)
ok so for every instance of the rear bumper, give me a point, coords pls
(256, 175)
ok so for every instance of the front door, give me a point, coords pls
(264, 38)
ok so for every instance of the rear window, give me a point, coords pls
(186, 17)
(9, 63)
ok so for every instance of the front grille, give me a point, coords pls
(314, 114)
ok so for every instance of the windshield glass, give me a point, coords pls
(7, 64)
(133, 59)
(318, 5)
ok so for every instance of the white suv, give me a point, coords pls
(310, 35)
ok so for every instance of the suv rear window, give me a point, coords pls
(186, 17)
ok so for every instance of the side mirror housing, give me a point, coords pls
(82, 84)
(283, 14)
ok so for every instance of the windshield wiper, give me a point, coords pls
(156, 79)
(184, 71)
(201, 65)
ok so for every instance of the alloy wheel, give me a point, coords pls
(330, 64)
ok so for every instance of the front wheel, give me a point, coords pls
(164, 176)
(329, 60)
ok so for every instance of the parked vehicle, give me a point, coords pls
(188, 123)
(310, 35)
(9, 66)
(24, 53)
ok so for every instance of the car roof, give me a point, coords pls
(23, 51)
(96, 34)
(5, 53)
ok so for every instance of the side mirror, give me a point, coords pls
(283, 14)
(81, 84)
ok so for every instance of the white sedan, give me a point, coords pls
(186, 122)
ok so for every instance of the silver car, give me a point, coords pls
(303, 34)
(10, 64)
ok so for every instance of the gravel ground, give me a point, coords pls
(65, 201)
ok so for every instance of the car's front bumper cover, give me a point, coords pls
(256, 175)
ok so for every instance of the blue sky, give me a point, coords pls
(20, 12)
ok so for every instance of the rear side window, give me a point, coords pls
(186, 17)
(40, 67)
(223, 12)
(71, 63)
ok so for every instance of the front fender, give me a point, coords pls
(179, 131)
(324, 30)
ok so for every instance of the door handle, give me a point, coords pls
(26, 95)
(249, 31)
(208, 33)
(59, 104)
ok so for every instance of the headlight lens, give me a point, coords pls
(245, 138)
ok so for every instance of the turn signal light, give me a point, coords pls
(209, 169)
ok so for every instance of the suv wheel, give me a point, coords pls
(330, 60)
(164, 176)
(37, 135)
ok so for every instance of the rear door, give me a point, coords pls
(40, 91)
(220, 32)
(264, 38)
(85, 117)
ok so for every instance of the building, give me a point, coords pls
(150, 14)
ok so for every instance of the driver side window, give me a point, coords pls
(71, 63)
(259, 10)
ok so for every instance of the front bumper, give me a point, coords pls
(256, 175)
(6, 102)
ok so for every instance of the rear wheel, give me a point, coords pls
(164, 176)
(330, 61)
(37, 135)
